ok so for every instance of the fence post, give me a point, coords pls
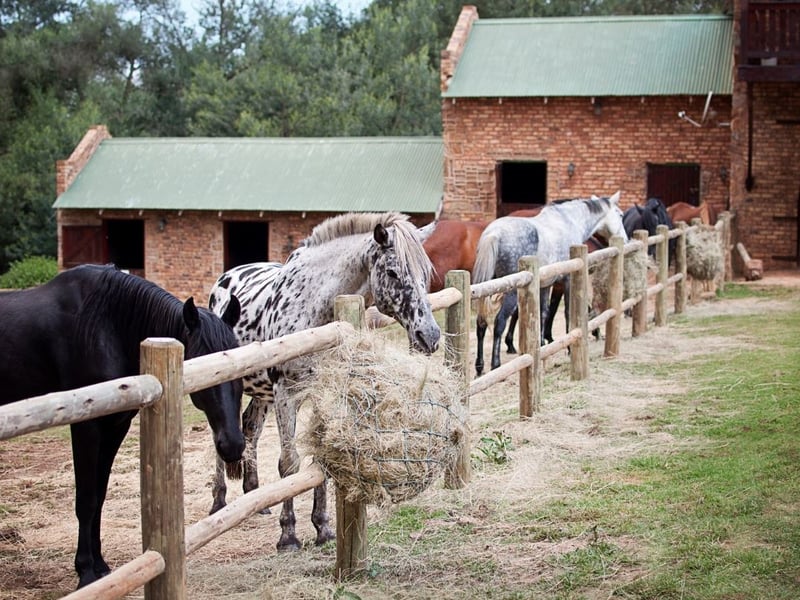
(614, 300)
(351, 517)
(456, 356)
(662, 258)
(680, 267)
(639, 325)
(530, 339)
(578, 314)
(727, 248)
(161, 452)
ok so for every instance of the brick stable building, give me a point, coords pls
(182, 211)
(688, 108)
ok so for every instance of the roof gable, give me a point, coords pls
(596, 56)
(265, 174)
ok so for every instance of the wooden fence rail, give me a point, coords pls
(159, 393)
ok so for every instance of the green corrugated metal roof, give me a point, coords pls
(270, 174)
(596, 56)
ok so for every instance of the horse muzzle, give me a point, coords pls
(426, 341)
(230, 450)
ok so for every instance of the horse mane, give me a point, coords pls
(134, 305)
(410, 253)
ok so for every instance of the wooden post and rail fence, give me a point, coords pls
(166, 378)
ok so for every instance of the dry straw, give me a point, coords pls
(634, 279)
(703, 253)
(384, 423)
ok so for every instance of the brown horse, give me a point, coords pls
(452, 245)
(682, 211)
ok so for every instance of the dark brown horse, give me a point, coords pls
(682, 211)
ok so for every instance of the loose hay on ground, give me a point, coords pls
(384, 423)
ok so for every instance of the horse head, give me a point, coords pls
(208, 333)
(611, 224)
(400, 272)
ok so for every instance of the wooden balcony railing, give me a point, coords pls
(770, 34)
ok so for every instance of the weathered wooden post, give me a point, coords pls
(456, 356)
(639, 325)
(662, 258)
(727, 250)
(161, 452)
(680, 267)
(530, 339)
(351, 517)
(615, 286)
(578, 314)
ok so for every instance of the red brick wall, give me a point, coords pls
(610, 150)
(761, 213)
(67, 170)
(187, 257)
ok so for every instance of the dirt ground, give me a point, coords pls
(602, 418)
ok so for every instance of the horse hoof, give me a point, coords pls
(265, 511)
(511, 350)
(289, 544)
(324, 536)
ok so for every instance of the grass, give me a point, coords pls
(716, 515)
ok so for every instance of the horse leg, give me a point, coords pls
(218, 487)
(319, 515)
(506, 310)
(480, 333)
(544, 314)
(95, 444)
(552, 309)
(288, 464)
(252, 426)
(512, 324)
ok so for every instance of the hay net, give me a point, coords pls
(383, 423)
(703, 253)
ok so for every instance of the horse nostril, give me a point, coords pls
(230, 451)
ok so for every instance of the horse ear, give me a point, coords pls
(191, 316)
(615, 198)
(232, 312)
(381, 235)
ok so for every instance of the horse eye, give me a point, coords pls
(392, 273)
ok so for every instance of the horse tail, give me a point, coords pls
(484, 270)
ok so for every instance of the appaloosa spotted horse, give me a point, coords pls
(377, 255)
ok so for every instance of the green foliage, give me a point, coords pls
(495, 448)
(29, 272)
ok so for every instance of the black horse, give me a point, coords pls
(85, 326)
(648, 217)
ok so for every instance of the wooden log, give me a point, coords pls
(548, 273)
(351, 517)
(578, 313)
(727, 234)
(629, 303)
(601, 255)
(122, 580)
(449, 296)
(499, 285)
(456, 356)
(161, 452)
(439, 300)
(530, 377)
(269, 494)
(560, 344)
(639, 325)
(504, 371)
(63, 408)
(615, 287)
(602, 319)
(212, 369)
(680, 269)
(662, 258)
(752, 269)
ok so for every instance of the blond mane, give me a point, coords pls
(410, 252)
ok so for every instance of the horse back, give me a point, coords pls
(452, 246)
(37, 332)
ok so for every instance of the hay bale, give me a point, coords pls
(703, 253)
(384, 423)
(634, 278)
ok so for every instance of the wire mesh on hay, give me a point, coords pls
(703, 253)
(384, 423)
(634, 278)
